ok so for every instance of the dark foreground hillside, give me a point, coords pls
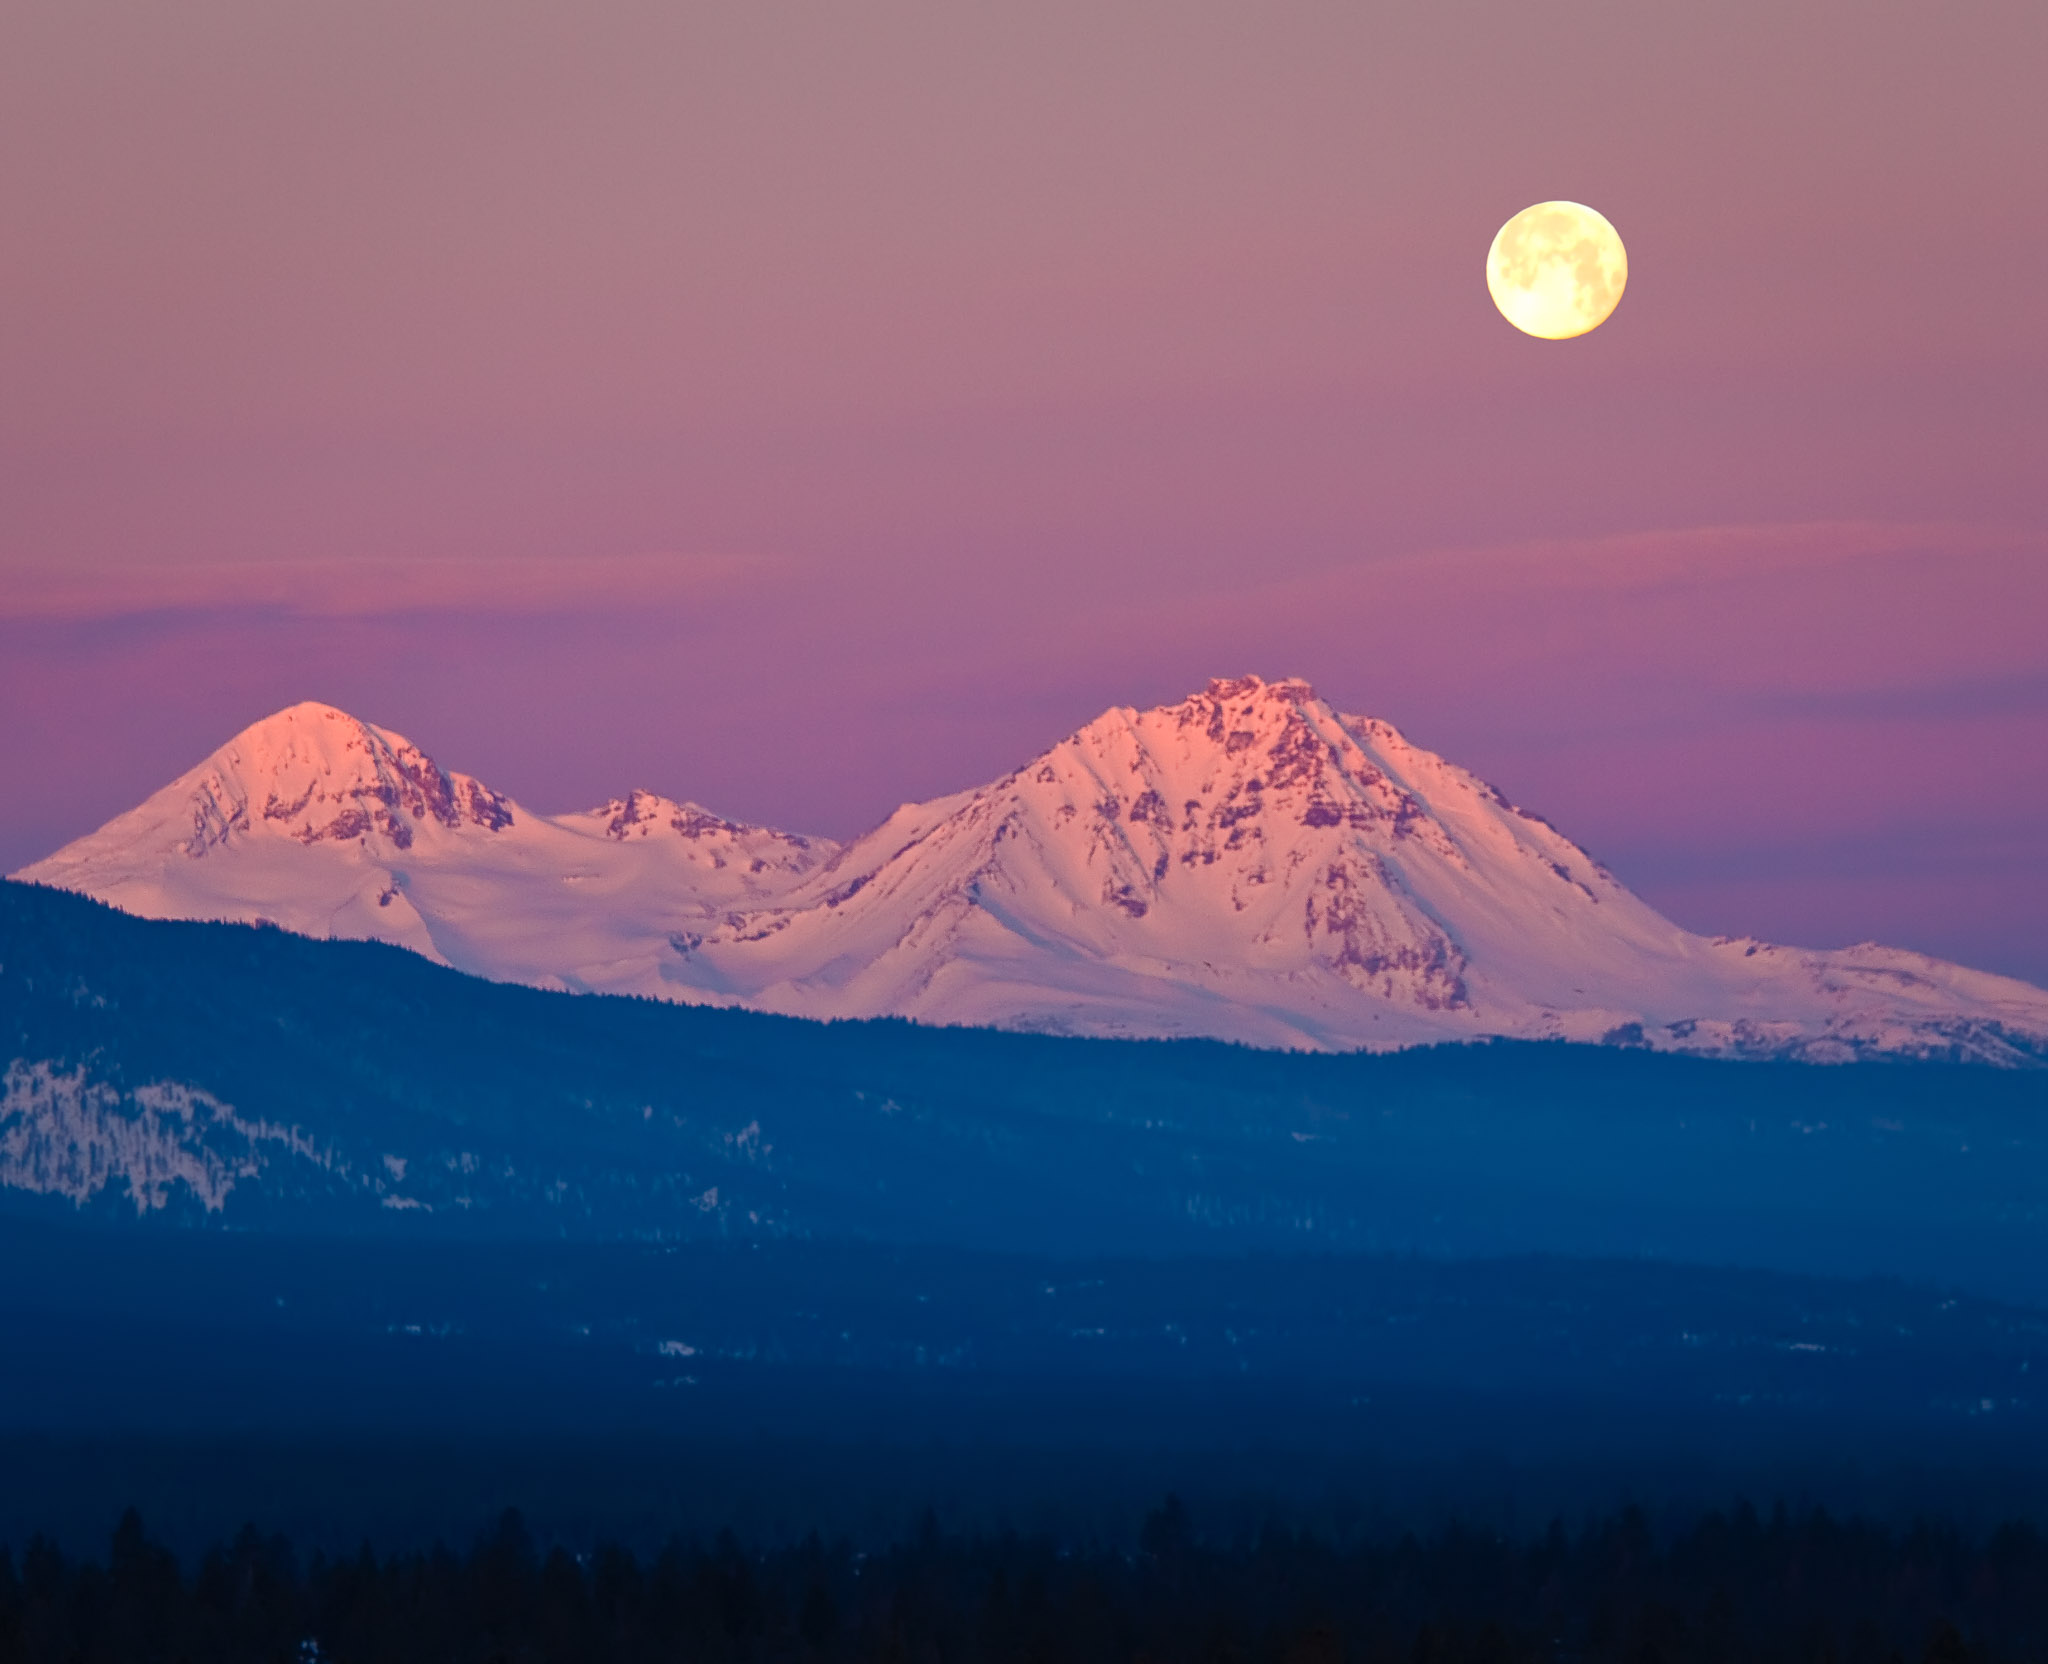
(244, 1077)
(322, 1235)
(1728, 1587)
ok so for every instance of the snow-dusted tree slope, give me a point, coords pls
(1248, 864)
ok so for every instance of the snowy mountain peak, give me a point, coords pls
(1248, 863)
(642, 813)
(315, 774)
(759, 855)
(1249, 842)
(1256, 753)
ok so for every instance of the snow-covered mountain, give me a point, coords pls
(1248, 864)
(319, 823)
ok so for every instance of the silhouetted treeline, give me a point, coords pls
(1733, 1587)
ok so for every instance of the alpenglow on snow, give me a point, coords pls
(1247, 864)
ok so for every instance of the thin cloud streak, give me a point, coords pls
(371, 588)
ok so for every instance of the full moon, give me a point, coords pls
(1556, 270)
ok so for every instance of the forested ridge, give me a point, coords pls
(421, 1101)
(1733, 1585)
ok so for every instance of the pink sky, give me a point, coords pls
(805, 409)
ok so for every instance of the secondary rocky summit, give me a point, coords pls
(1248, 863)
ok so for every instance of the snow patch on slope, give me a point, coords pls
(65, 1134)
